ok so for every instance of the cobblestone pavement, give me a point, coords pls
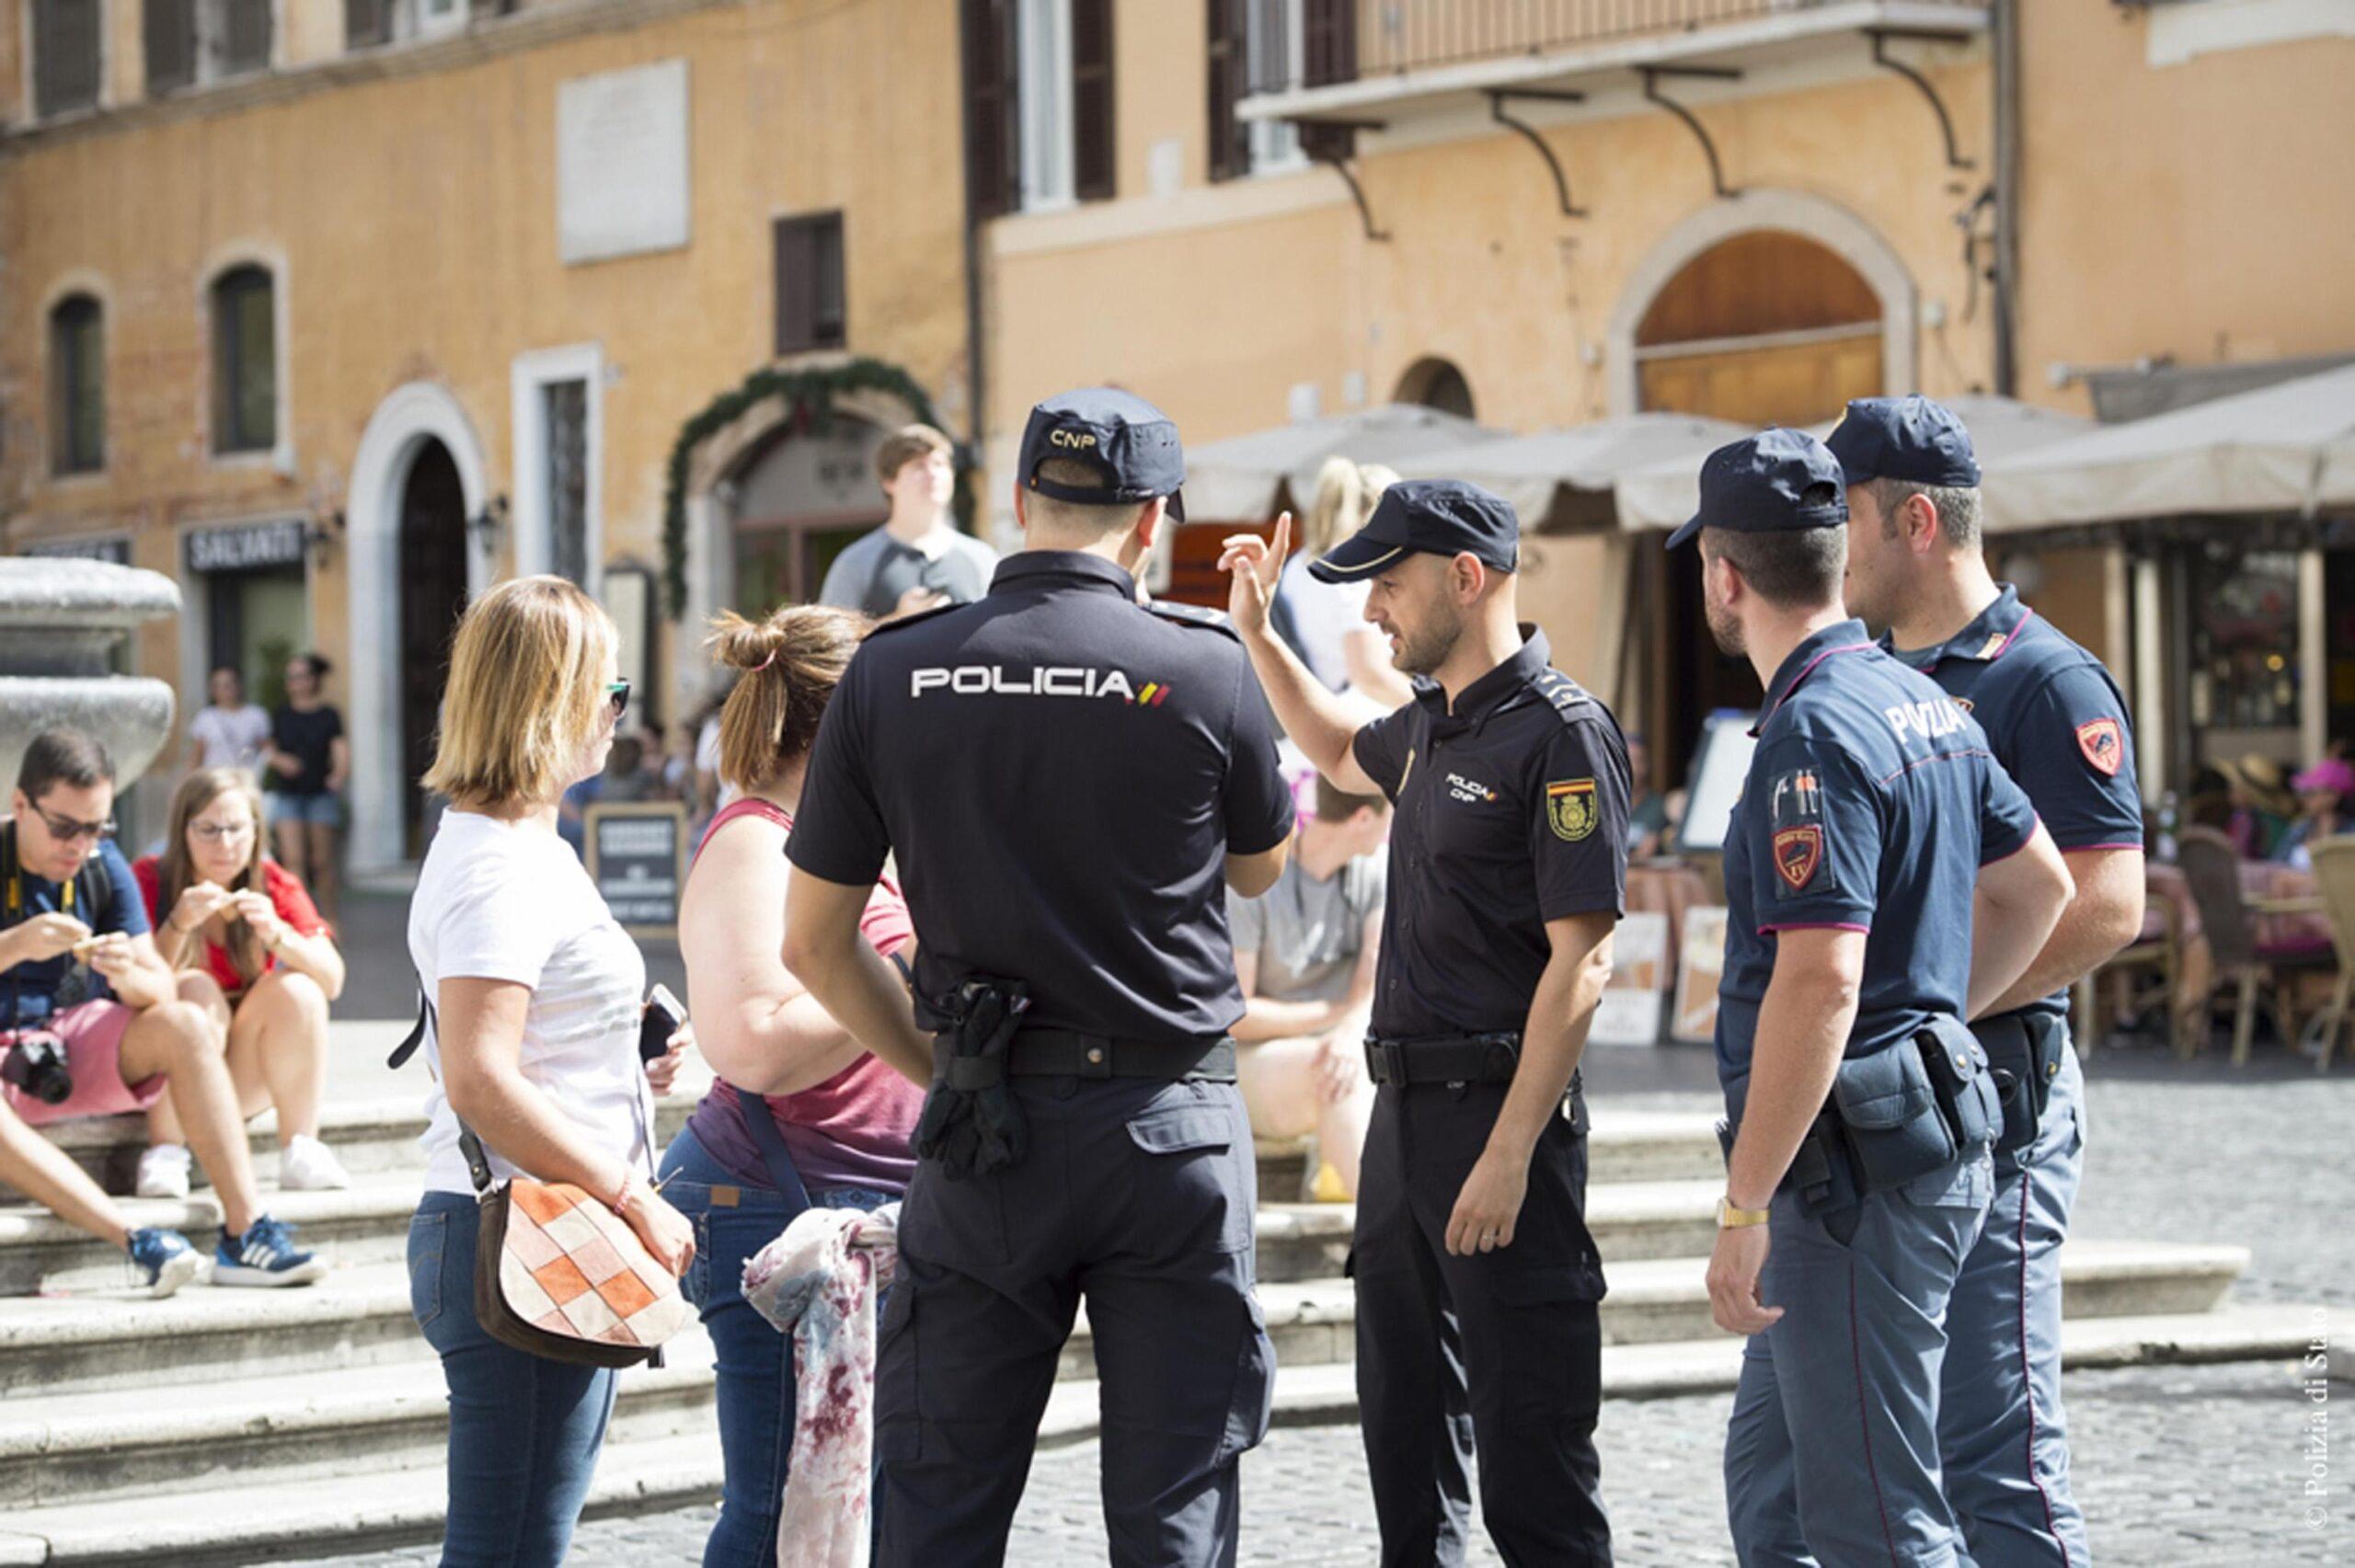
(2192, 1467)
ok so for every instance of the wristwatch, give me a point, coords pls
(1732, 1218)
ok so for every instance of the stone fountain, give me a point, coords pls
(60, 620)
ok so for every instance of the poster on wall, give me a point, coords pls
(1701, 960)
(1627, 1013)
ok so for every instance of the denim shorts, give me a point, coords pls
(324, 810)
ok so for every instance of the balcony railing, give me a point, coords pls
(1353, 39)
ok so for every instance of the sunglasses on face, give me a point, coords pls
(617, 692)
(66, 830)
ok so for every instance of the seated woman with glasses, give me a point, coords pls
(248, 946)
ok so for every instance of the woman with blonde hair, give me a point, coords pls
(801, 1114)
(536, 993)
(250, 948)
(1324, 623)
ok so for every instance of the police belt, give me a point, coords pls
(1444, 1059)
(1065, 1053)
(2025, 1050)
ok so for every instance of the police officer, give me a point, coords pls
(1070, 781)
(1477, 1283)
(1859, 1108)
(2057, 723)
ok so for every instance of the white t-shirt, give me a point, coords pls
(502, 901)
(232, 737)
(1322, 614)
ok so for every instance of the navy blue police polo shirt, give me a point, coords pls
(1871, 803)
(1061, 772)
(2055, 720)
(1511, 811)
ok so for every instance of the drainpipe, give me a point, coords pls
(968, 503)
(2005, 50)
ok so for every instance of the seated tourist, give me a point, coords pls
(248, 946)
(91, 1025)
(1305, 953)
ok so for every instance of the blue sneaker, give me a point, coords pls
(163, 1260)
(265, 1254)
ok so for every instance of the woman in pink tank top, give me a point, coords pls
(801, 1114)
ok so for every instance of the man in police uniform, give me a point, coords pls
(1859, 1109)
(1476, 1276)
(2057, 723)
(1071, 781)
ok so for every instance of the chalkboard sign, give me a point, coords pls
(637, 859)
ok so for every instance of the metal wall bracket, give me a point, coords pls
(1333, 149)
(1881, 57)
(1497, 101)
(1652, 73)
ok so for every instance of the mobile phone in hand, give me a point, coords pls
(664, 1015)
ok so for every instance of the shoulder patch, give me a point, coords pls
(2103, 744)
(898, 622)
(1192, 615)
(1569, 699)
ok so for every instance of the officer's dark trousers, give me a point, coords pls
(1138, 1197)
(1513, 1339)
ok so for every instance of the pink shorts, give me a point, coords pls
(93, 1036)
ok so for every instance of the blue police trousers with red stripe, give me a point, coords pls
(1832, 1453)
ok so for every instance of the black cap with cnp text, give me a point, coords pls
(1436, 517)
(1908, 439)
(1132, 445)
(1777, 481)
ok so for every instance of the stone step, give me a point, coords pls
(645, 1467)
(359, 1316)
(1630, 1220)
(1625, 1146)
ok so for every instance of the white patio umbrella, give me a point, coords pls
(1533, 471)
(1248, 477)
(2287, 448)
(2003, 431)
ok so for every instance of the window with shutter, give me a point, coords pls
(367, 23)
(65, 56)
(811, 304)
(245, 36)
(1329, 41)
(77, 385)
(1095, 168)
(564, 410)
(993, 174)
(1230, 146)
(244, 362)
(167, 32)
(1043, 68)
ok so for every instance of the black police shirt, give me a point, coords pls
(2054, 719)
(1511, 811)
(1060, 772)
(1870, 805)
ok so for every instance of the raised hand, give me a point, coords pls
(1255, 565)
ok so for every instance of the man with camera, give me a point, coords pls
(91, 1024)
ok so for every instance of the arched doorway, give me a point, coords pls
(1773, 325)
(792, 503)
(1435, 383)
(432, 587)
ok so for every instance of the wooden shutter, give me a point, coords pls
(1329, 41)
(993, 143)
(811, 302)
(246, 36)
(168, 31)
(367, 23)
(1094, 169)
(65, 56)
(1230, 79)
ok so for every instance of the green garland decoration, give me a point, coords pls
(810, 398)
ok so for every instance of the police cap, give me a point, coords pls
(1437, 516)
(1132, 445)
(1777, 481)
(1908, 438)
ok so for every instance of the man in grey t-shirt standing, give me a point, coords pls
(917, 560)
(1304, 952)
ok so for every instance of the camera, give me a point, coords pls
(37, 1065)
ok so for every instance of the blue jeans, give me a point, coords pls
(754, 1362)
(523, 1431)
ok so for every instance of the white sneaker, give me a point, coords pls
(307, 1165)
(163, 1171)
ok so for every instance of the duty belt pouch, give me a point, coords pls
(971, 1124)
(2024, 1054)
(1889, 1118)
(1967, 1096)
